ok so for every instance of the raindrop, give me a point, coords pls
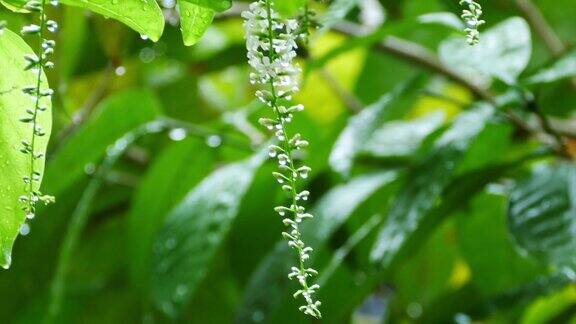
(414, 310)
(25, 229)
(177, 134)
(257, 316)
(147, 55)
(214, 141)
(170, 244)
(89, 168)
(120, 71)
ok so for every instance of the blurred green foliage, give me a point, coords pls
(444, 184)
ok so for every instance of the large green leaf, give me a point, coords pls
(193, 232)
(178, 169)
(542, 214)
(14, 165)
(561, 69)
(427, 181)
(82, 213)
(401, 138)
(15, 5)
(503, 53)
(113, 118)
(144, 16)
(337, 12)
(194, 21)
(269, 284)
(362, 127)
(216, 5)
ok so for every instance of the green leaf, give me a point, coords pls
(15, 5)
(269, 284)
(439, 256)
(427, 181)
(193, 232)
(144, 16)
(362, 127)
(194, 21)
(546, 308)
(216, 5)
(561, 69)
(401, 138)
(14, 165)
(82, 213)
(503, 52)
(447, 19)
(484, 237)
(542, 214)
(337, 12)
(178, 169)
(112, 119)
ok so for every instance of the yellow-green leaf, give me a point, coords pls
(194, 21)
(144, 16)
(15, 165)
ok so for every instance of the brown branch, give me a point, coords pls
(556, 47)
(535, 18)
(421, 56)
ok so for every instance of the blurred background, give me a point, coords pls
(442, 184)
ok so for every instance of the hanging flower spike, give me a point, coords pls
(307, 21)
(271, 44)
(471, 17)
(36, 64)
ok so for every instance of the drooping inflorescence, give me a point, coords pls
(37, 91)
(471, 16)
(307, 21)
(271, 43)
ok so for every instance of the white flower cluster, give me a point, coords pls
(271, 44)
(471, 17)
(36, 64)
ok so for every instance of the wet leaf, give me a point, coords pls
(193, 232)
(216, 5)
(542, 214)
(113, 118)
(427, 181)
(503, 52)
(194, 21)
(13, 164)
(176, 171)
(559, 70)
(144, 16)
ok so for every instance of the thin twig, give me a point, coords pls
(415, 53)
(444, 97)
(418, 54)
(88, 108)
(547, 126)
(556, 47)
(349, 100)
(543, 29)
(421, 56)
(535, 18)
